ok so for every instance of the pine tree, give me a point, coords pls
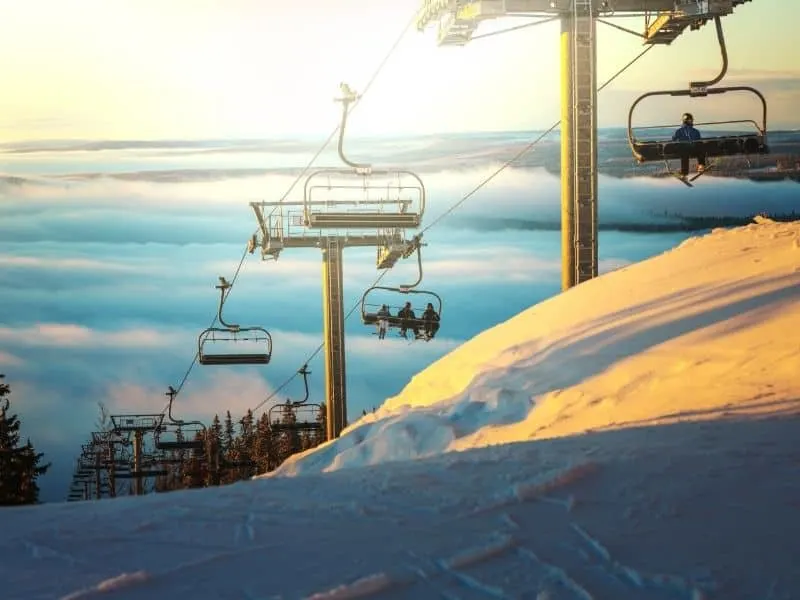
(228, 434)
(213, 442)
(20, 466)
(262, 455)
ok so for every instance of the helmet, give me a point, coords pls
(687, 118)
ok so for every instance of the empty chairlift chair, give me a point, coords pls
(214, 343)
(176, 437)
(299, 415)
(360, 197)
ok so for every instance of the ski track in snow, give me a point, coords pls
(530, 530)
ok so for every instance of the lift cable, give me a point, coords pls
(514, 28)
(483, 183)
(355, 102)
(310, 163)
(214, 322)
(621, 28)
(527, 148)
(314, 354)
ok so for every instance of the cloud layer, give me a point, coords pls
(107, 282)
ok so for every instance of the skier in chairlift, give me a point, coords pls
(688, 133)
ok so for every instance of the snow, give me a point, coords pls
(633, 438)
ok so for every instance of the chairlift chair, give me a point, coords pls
(652, 150)
(179, 438)
(389, 199)
(228, 334)
(298, 415)
(369, 310)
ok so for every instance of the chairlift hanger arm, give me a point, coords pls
(702, 85)
(418, 247)
(171, 393)
(223, 287)
(305, 373)
(348, 97)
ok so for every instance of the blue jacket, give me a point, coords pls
(686, 133)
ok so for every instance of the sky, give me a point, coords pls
(247, 68)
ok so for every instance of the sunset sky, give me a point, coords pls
(254, 68)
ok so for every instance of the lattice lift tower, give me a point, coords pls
(138, 426)
(339, 208)
(665, 20)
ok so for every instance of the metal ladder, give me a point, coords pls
(335, 376)
(584, 140)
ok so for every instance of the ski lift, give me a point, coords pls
(298, 415)
(370, 311)
(652, 150)
(184, 433)
(179, 438)
(230, 334)
(360, 196)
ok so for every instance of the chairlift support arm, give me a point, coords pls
(348, 97)
(223, 286)
(171, 393)
(305, 373)
(415, 245)
(700, 88)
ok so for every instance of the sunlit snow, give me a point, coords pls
(633, 438)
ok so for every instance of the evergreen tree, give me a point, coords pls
(228, 434)
(213, 443)
(20, 466)
(262, 454)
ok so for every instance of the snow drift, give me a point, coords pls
(705, 330)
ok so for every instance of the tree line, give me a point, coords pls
(175, 457)
(235, 452)
(20, 464)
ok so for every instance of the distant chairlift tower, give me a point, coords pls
(457, 22)
(339, 205)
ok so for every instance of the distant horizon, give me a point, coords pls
(10, 144)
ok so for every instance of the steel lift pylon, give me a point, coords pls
(665, 20)
(355, 206)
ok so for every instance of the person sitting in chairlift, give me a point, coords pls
(430, 318)
(383, 321)
(407, 316)
(687, 133)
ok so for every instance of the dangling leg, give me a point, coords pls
(701, 163)
(684, 166)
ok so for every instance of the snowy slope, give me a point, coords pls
(704, 330)
(688, 363)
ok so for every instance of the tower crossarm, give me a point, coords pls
(457, 20)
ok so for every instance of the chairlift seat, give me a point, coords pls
(234, 359)
(353, 220)
(736, 145)
(303, 417)
(304, 426)
(392, 321)
(183, 445)
(226, 338)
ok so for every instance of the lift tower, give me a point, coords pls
(665, 20)
(339, 208)
(138, 426)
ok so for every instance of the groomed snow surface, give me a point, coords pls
(636, 437)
